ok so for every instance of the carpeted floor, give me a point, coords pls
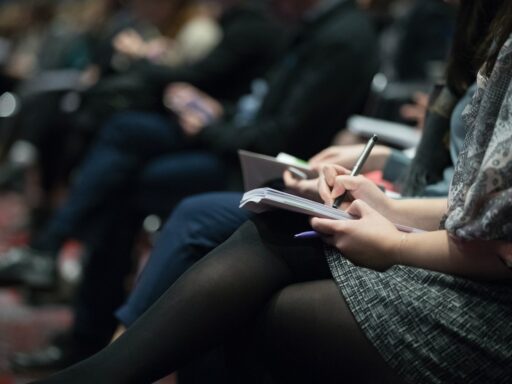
(22, 327)
(26, 327)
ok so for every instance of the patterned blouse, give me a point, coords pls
(480, 199)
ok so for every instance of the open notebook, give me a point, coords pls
(263, 199)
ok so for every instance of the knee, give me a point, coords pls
(205, 221)
(188, 210)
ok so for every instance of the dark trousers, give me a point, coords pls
(114, 232)
(140, 164)
(198, 225)
(132, 148)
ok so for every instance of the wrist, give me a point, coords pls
(390, 209)
(396, 248)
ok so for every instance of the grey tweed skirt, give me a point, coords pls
(431, 327)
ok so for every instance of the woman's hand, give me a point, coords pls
(307, 188)
(195, 109)
(370, 241)
(130, 43)
(334, 181)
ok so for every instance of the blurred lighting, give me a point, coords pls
(8, 104)
(380, 82)
(152, 224)
(70, 102)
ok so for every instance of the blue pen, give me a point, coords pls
(307, 235)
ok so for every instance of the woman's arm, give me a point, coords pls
(425, 214)
(438, 251)
(420, 213)
(374, 242)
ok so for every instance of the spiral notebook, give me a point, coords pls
(264, 199)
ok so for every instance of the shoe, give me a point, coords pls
(28, 267)
(63, 352)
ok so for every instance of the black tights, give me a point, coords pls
(261, 272)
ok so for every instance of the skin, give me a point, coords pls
(373, 241)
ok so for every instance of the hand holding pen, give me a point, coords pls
(335, 183)
(357, 168)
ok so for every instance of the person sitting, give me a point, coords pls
(414, 307)
(137, 151)
(53, 130)
(191, 232)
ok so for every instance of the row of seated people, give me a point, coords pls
(54, 129)
(132, 141)
(108, 225)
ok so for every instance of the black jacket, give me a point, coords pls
(251, 43)
(322, 79)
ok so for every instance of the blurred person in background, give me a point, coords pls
(54, 140)
(320, 313)
(332, 55)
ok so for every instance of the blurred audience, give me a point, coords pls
(332, 54)
(128, 107)
(53, 129)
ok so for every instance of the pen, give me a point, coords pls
(357, 168)
(307, 235)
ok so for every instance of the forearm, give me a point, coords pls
(437, 251)
(419, 213)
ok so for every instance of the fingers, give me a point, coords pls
(191, 123)
(178, 96)
(289, 180)
(346, 183)
(324, 190)
(328, 227)
(327, 181)
(360, 209)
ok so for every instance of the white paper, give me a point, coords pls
(263, 199)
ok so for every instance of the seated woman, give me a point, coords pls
(191, 231)
(426, 307)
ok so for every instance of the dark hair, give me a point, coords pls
(500, 30)
(482, 28)
(475, 22)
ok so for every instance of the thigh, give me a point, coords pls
(311, 336)
(167, 179)
(197, 225)
(143, 133)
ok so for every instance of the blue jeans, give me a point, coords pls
(198, 225)
(140, 164)
(133, 151)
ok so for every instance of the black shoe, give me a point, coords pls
(62, 353)
(28, 267)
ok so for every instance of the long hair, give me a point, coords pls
(500, 30)
(477, 24)
(482, 28)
